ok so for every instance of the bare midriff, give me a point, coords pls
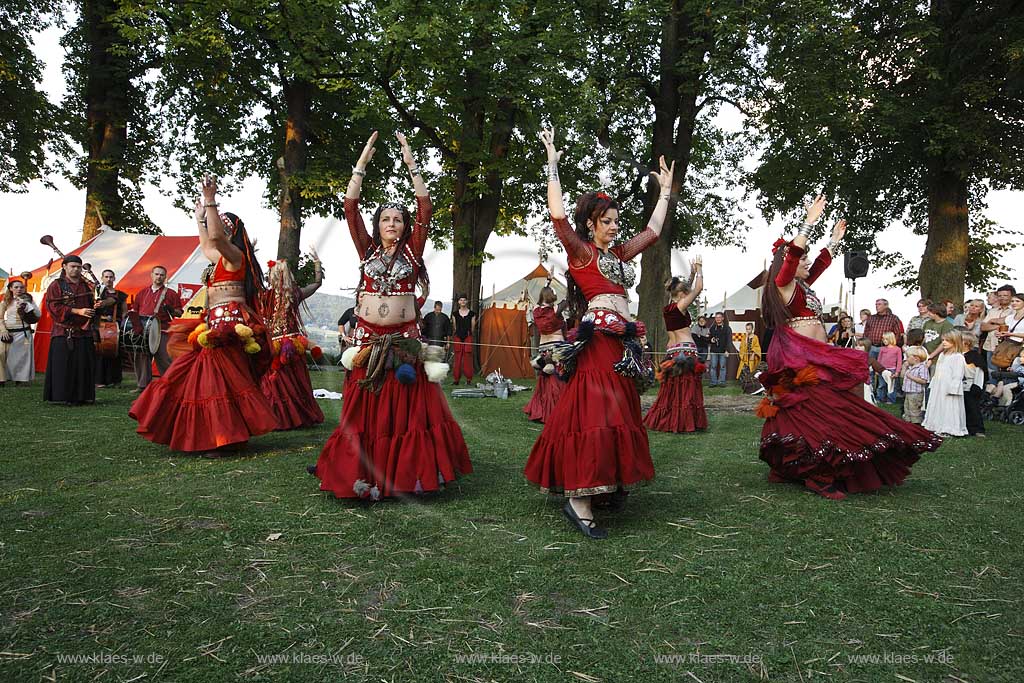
(611, 302)
(386, 310)
(555, 336)
(680, 336)
(809, 327)
(223, 292)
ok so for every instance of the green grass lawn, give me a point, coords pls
(175, 568)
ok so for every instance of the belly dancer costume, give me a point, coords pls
(396, 434)
(680, 403)
(594, 442)
(818, 431)
(286, 385)
(550, 384)
(209, 397)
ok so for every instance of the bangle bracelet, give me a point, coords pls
(805, 229)
(209, 204)
(358, 171)
(414, 170)
(666, 197)
(832, 245)
(552, 169)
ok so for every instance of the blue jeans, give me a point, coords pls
(717, 368)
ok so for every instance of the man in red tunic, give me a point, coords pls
(162, 303)
(70, 366)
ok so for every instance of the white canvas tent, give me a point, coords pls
(511, 296)
(746, 298)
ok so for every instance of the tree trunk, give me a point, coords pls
(672, 137)
(944, 264)
(107, 87)
(298, 98)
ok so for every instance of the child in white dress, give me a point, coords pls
(945, 414)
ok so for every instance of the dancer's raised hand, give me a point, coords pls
(367, 153)
(664, 174)
(839, 230)
(547, 136)
(406, 151)
(815, 209)
(209, 187)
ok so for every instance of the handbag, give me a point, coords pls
(1007, 350)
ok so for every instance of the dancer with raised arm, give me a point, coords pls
(680, 403)
(209, 400)
(595, 443)
(286, 385)
(551, 327)
(396, 435)
(818, 430)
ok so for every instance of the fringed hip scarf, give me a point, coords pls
(679, 358)
(379, 353)
(634, 364)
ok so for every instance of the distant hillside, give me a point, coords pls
(325, 309)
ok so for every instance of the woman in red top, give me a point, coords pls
(594, 443)
(209, 398)
(680, 403)
(551, 327)
(818, 430)
(396, 435)
(286, 385)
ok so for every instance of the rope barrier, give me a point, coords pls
(532, 348)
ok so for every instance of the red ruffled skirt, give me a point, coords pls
(290, 395)
(679, 406)
(400, 440)
(594, 441)
(819, 432)
(207, 399)
(545, 397)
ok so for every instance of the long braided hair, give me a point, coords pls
(254, 285)
(773, 309)
(590, 206)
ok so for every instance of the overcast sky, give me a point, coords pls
(59, 213)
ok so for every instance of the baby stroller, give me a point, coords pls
(1012, 413)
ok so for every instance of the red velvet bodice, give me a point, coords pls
(676, 319)
(547, 320)
(803, 303)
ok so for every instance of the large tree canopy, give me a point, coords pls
(657, 73)
(901, 111)
(271, 89)
(475, 81)
(28, 122)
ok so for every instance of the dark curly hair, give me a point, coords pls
(589, 207)
(407, 220)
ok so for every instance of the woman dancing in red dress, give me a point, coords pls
(549, 385)
(680, 403)
(819, 431)
(594, 443)
(210, 398)
(396, 434)
(286, 385)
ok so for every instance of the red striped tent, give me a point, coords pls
(131, 257)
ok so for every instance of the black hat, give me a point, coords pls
(71, 258)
